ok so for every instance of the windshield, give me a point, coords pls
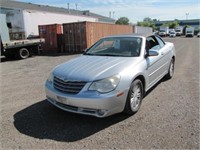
(117, 46)
(189, 31)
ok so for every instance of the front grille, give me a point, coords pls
(68, 87)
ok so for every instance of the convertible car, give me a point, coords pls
(112, 76)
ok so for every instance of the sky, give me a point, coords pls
(134, 10)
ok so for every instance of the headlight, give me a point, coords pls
(105, 85)
(50, 78)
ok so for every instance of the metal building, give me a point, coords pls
(23, 18)
(191, 22)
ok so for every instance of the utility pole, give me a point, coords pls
(113, 14)
(68, 7)
(187, 14)
(110, 14)
(76, 8)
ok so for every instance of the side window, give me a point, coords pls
(160, 41)
(152, 43)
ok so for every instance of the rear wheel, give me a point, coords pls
(171, 69)
(134, 99)
(23, 53)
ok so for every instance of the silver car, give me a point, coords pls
(112, 76)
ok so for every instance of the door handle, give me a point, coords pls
(162, 53)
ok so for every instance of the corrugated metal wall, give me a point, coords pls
(98, 30)
(53, 37)
(74, 37)
(81, 35)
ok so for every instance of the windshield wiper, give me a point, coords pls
(88, 54)
(109, 55)
(91, 54)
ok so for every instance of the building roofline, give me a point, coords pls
(9, 4)
(188, 20)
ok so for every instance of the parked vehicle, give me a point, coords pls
(17, 48)
(22, 48)
(171, 29)
(179, 30)
(198, 34)
(112, 76)
(172, 34)
(189, 32)
(164, 31)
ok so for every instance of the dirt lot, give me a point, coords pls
(168, 118)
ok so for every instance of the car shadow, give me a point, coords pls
(4, 59)
(155, 86)
(44, 121)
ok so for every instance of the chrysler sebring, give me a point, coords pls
(112, 76)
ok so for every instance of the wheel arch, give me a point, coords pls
(173, 57)
(143, 80)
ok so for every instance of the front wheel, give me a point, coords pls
(134, 98)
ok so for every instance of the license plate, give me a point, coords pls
(62, 99)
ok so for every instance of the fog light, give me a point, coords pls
(101, 112)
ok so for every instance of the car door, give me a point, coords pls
(155, 64)
(165, 53)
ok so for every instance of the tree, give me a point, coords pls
(155, 20)
(147, 19)
(122, 20)
(147, 22)
(165, 25)
(171, 25)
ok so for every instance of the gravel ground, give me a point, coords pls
(168, 118)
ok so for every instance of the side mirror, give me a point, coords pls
(84, 51)
(153, 53)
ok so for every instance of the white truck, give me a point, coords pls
(164, 31)
(179, 30)
(18, 48)
(189, 32)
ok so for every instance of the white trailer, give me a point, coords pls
(164, 31)
(26, 20)
(179, 30)
(189, 32)
(17, 48)
(141, 30)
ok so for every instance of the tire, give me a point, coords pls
(134, 98)
(170, 73)
(23, 53)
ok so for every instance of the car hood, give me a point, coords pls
(91, 68)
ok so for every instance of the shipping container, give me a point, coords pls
(81, 35)
(53, 37)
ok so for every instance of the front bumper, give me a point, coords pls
(172, 35)
(189, 35)
(88, 102)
